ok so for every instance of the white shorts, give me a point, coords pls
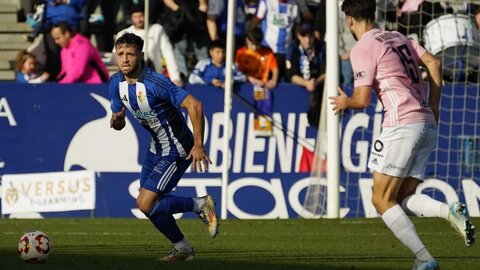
(404, 151)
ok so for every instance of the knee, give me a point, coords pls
(381, 203)
(144, 205)
(377, 202)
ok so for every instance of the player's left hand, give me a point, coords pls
(199, 157)
(339, 102)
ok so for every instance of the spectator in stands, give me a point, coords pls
(320, 21)
(476, 13)
(159, 46)
(345, 44)
(81, 61)
(410, 19)
(211, 71)
(277, 18)
(306, 68)
(346, 41)
(305, 62)
(184, 21)
(107, 26)
(260, 66)
(26, 69)
(217, 21)
(56, 11)
(250, 7)
(309, 9)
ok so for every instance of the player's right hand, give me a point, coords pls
(117, 121)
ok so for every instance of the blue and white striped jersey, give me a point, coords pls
(155, 102)
(278, 18)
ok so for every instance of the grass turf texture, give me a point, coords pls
(242, 244)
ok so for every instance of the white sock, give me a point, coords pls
(183, 245)
(424, 206)
(198, 204)
(402, 227)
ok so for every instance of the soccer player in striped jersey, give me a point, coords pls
(155, 102)
(389, 63)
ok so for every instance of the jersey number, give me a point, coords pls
(408, 63)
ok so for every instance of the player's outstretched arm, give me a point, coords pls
(117, 121)
(434, 70)
(198, 154)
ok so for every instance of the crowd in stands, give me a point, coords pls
(276, 40)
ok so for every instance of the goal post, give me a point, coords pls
(323, 188)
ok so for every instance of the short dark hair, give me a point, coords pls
(304, 29)
(137, 8)
(130, 39)
(360, 10)
(64, 27)
(255, 35)
(218, 43)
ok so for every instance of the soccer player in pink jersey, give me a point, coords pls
(388, 62)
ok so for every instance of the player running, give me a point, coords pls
(155, 101)
(388, 62)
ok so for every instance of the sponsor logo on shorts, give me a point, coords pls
(377, 154)
(395, 167)
(375, 161)
(378, 146)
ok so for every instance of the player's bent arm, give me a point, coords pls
(360, 98)
(198, 155)
(434, 70)
(195, 112)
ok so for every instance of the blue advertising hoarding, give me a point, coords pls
(52, 128)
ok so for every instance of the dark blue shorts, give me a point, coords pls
(161, 174)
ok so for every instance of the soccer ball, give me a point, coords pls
(34, 247)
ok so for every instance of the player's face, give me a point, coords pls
(128, 59)
(62, 39)
(218, 55)
(138, 20)
(350, 27)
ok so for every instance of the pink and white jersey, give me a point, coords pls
(388, 61)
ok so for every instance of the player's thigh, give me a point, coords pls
(423, 151)
(408, 187)
(393, 151)
(385, 187)
(161, 174)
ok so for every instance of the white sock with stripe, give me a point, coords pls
(424, 206)
(198, 204)
(183, 245)
(402, 227)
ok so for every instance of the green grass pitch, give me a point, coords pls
(341, 244)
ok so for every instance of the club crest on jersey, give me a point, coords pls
(140, 96)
